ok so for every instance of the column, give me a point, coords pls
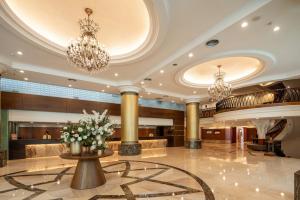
(262, 127)
(192, 137)
(129, 121)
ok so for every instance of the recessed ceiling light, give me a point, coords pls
(102, 90)
(70, 85)
(244, 24)
(20, 53)
(149, 93)
(160, 84)
(116, 74)
(212, 43)
(161, 71)
(173, 101)
(257, 189)
(22, 71)
(26, 79)
(141, 96)
(108, 86)
(174, 64)
(142, 82)
(276, 28)
(191, 55)
(194, 92)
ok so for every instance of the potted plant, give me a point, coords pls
(94, 130)
(72, 138)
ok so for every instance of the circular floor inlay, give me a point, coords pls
(126, 179)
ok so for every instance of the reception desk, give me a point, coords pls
(20, 149)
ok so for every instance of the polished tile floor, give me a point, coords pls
(217, 171)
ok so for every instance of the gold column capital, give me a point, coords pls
(129, 88)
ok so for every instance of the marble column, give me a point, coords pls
(129, 121)
(297, 185)
(192, 137)
(262, 126)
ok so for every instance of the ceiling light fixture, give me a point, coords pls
(160, 84)
(244, 24)
(142, 82)
(116, 74)
(26, 79)
(20, 53)
(220, 89)
(194, 92)
(86, 52)
(22, 71)
(102, 90)
(149, 93)
(70, 85)
(174, 64)
(276, 28)
(191, 55)
(108, 86)
(161, 71)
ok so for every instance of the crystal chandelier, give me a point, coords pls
(86, 52)
(220, 89)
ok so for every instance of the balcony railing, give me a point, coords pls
(259, 99)
(207, 113)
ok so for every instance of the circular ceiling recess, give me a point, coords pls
(235, 68)
(122, 31)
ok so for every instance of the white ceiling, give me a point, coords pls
(179, 27)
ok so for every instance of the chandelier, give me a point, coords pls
(220, 89)
(86, 52)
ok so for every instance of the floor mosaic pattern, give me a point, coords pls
(126, 179)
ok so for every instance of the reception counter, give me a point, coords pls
(20, 149)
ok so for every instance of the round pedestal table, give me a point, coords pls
(88, 173)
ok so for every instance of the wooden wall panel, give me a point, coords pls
(54, 104)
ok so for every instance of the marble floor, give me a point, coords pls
(217, 171)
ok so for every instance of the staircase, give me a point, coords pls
(274, 145)
(277, 129)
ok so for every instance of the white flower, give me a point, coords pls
(94, 133)
(96, 127)
(84, 137)
(65, 128)
(94, 142)
(76, 135)
(80, 129)
(98, 137)
(93, 129)
(66, 133)
(88, 128)
(72, 139)
(79, 139)
(72, 132)
(100, 142)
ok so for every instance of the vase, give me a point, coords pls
(75, 148)
(86, 150)
(100, 152)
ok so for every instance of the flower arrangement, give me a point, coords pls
(91, 131)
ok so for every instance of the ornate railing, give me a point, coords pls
(277, 128)
(206, 113)
(259, 99)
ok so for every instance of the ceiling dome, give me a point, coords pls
(235, 69)
(122, 31)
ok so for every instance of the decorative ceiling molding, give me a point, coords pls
(267, 61)
(249, 8)
(158, 27)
